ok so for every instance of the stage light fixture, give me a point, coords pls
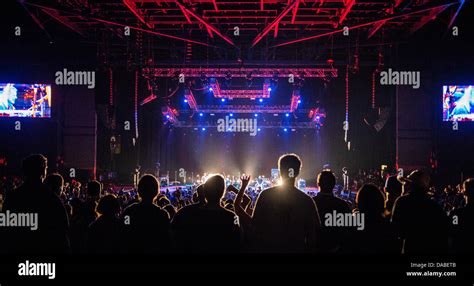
(203, 129)
(223, 100)
(299, 101)
(256, 115)
(287, 114)
(231, 114)
(258, 129)
(285, 129)
(260, 100)
(201, 114)
(185, 101)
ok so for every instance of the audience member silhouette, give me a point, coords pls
(33, 197)
(420, 222)
(55, 183)
(377, 235)
(285, 219)
(207, 228)
(331, 238)
(145, 225)
(165, 204)
(103, 235)
(462, 222)
(393, 190)
(81, 220)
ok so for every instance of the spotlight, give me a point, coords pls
(231, 114)
(299, 100)
(287, 114)
(260, 100)
(223, 100)
(211, 89)
(256, 115)
(201, 114)
(203, 129)
(258, 129)
(167, 116)
(269, 89)
(285, 129)
(185, 101)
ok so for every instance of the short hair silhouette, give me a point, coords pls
(214, 188)
(326, 181)
(370, 200)
(108, 205)
(34, 166)
(393, 186)
(55, 182)
(469, 188)
(94, 189)
(148, 187)
(289, 165)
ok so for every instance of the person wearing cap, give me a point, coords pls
(421, 224)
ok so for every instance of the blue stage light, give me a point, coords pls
(260, 100)
(167, 116)
(259, 129)
(223, 99)
(256, 115)
(231, 114)
(269, 89)
(287, 115)
(285, 129)
(299, 100)
(211, 89)
(201, 114)
(203, 129)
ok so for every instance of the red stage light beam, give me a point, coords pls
(275, 22)
(205, 23)
(363, 25)
(123, 25)
(133, 8)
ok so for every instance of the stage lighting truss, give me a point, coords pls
(239, 93)
(217, 72)
(170, 115)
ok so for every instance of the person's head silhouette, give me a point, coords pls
(148, 188)
(94, 190)
(214, 189)
(34, 167)
(417, 182)
(289, 166)
(108, 206)
(55, 183)
(326, 181)
(393, 187)
(370, 200)
(468, 187)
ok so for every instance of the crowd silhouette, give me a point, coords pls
(403, 217)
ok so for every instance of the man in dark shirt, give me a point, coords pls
(146, 226)
(420, 222)
(33, 197)
(462, 222)
(285, 219)
(327, 203)
(207, 228)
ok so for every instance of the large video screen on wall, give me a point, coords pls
(25, 100)
(458, 103)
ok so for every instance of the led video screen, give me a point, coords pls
(25, 100)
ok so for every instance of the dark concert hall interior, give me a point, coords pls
(262, 130)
